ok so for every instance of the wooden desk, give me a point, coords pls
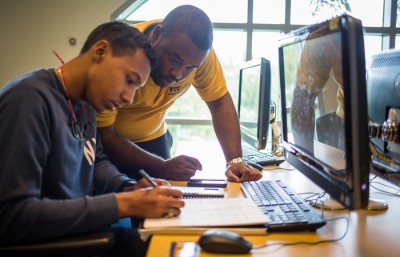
(370, 233)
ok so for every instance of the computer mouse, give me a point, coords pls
(223, 241)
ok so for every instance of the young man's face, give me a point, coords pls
(114, 80)
(177, 57)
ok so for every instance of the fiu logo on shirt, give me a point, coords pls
(89, 151)
(174, 90)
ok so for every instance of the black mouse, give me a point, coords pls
(223, 241)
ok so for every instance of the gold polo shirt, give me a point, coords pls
(143, 120)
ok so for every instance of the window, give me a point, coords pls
(252, 29)
(155, 9)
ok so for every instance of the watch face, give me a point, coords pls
(236, 160)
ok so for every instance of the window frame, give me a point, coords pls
(387, 32)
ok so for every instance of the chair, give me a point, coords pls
(82, 245)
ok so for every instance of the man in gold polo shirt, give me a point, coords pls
(136, 136)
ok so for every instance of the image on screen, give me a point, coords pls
(315, 94)
(249, 99)
(322, 72)
(254, 102)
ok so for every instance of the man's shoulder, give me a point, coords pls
(142, 26)
(33, 88)
(32, 81)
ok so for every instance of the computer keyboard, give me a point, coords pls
(286, 210)
(262, 158)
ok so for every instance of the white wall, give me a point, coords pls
(30, 29)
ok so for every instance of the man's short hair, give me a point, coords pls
(123, 39)
(192, 21)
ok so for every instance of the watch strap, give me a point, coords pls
(235, 161)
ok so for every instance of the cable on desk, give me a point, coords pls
(371, 182)
(312, 194)
(311, 243)
(314, 198)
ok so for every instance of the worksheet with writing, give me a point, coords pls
(218, 212)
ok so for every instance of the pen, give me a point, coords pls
(148, 178)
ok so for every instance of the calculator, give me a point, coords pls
(200, 192)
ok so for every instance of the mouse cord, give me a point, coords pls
(311, 243)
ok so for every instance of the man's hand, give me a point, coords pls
(240, 172)
(181, 167)
(150, 202)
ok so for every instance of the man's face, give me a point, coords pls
(177, 57)
(114, 80)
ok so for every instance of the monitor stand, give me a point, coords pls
(327, 203)
(377, 204)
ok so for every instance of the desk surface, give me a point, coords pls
(370, 233)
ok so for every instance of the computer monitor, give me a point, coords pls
(254, 102)
(383, 98)
(324, 118)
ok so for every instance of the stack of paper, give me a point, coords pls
(235, 214)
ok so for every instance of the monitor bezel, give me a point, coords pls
(264, 102)
(356, 121)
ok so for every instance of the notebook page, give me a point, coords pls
(217, 212)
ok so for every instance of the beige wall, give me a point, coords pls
(30, 29)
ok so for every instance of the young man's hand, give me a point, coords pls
(150, 202)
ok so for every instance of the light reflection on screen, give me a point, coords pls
(250, 95)
(314, 98)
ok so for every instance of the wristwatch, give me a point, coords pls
(128, 183)
(234, 161)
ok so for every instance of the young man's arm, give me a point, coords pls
(35, 203)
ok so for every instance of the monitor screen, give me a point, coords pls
(325, 131)
(383, 94)
(254, 102)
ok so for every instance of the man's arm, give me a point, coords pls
(130, 156)
(124, 152)
(226, 126)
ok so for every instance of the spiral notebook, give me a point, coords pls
(200, 192)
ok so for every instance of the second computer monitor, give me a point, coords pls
(383, 91)
(254, 102)
(383, 94)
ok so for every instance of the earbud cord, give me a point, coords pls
(60, 72)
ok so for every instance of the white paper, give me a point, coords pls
(217, 212)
